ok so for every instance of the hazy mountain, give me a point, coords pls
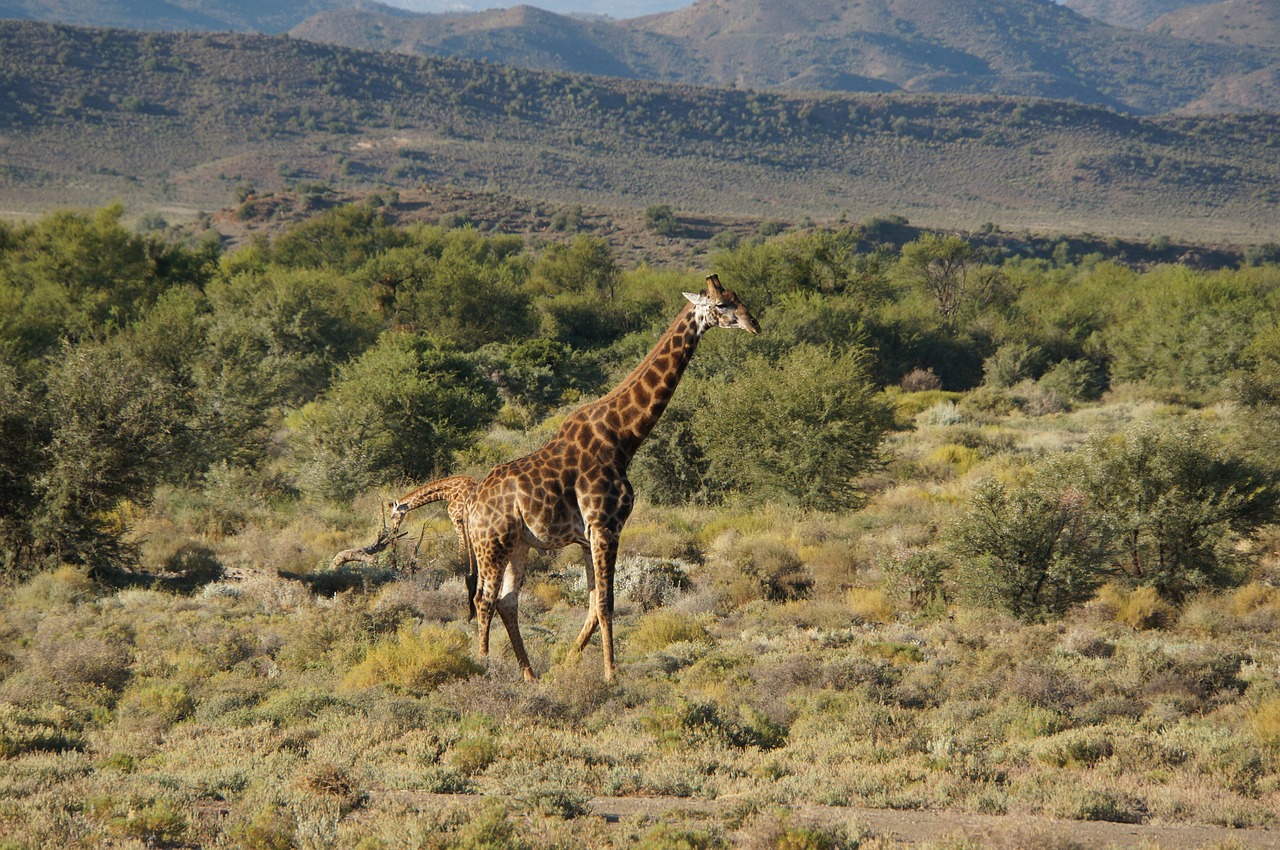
(1013, 47)
(610, 8)
(275, 16)
(1133, 14)
(522, 36)
(1252, 22)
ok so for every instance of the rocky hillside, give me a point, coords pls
(1133, 14)
(1030, 48)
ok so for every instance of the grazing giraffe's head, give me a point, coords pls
(721, 308)
(396, 512)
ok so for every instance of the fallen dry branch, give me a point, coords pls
(365, 554)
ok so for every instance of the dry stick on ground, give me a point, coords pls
(368, 554)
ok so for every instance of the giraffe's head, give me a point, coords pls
(722, 307)
(395, 513)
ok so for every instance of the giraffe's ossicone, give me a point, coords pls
(575, 488)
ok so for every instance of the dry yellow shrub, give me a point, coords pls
(415, 659)
(870, 605)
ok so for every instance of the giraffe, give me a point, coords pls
(575, 488)
(456, 489)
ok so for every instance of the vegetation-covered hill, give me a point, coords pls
(1012, 47)
(194, 120)
(523, 36)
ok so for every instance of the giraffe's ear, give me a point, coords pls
(697, 299)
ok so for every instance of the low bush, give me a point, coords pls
(416, 659)
(659, 629)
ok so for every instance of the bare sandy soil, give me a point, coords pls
(917, 827)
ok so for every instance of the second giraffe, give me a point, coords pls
(575, 488)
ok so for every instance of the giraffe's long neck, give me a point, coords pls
(639, 401)
(452, 488)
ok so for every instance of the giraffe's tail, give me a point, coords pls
(472, 573)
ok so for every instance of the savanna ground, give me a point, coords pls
(975, 541)
(778, 688)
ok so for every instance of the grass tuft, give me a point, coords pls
(417, 660)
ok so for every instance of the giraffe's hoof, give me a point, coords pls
(529, 676)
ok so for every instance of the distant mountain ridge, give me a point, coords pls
(274, 16)
(1242, 22)
(186, 121)
(1190, 62)
(1034, 48)
(1132, 14)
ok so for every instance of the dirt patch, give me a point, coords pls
(917, 827)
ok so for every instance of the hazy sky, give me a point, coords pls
(612, 8)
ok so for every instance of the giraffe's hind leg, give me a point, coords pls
(489, 559)
(508, 604)
(593, 619)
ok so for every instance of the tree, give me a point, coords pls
(343, 239)
(586, 266)
(942, 265)
(472, 293)
(661, 219)
(801, 428)
(399, 411)
(114, 434)
(1176, 504)
(24, 430)
(1033, 550)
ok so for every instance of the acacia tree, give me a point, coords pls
(1176, 503)
(801, 428)
(1033, 550)
(23, 432)
(942, 265)
(1155, 506)
(114, 431)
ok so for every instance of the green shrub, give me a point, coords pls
(1175, 504)
(668, 837)
(1264, 722)
(800, 429)
(1033, 550)
(400, 411)
(273, 828)
(158, 822)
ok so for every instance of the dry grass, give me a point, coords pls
(780, 667)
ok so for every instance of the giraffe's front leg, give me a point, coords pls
(486, 597)
(604, 556)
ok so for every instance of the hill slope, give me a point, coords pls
(1133, 14)
(523, 36)
(1243, 22)
(1012, 47)
(182, 120)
